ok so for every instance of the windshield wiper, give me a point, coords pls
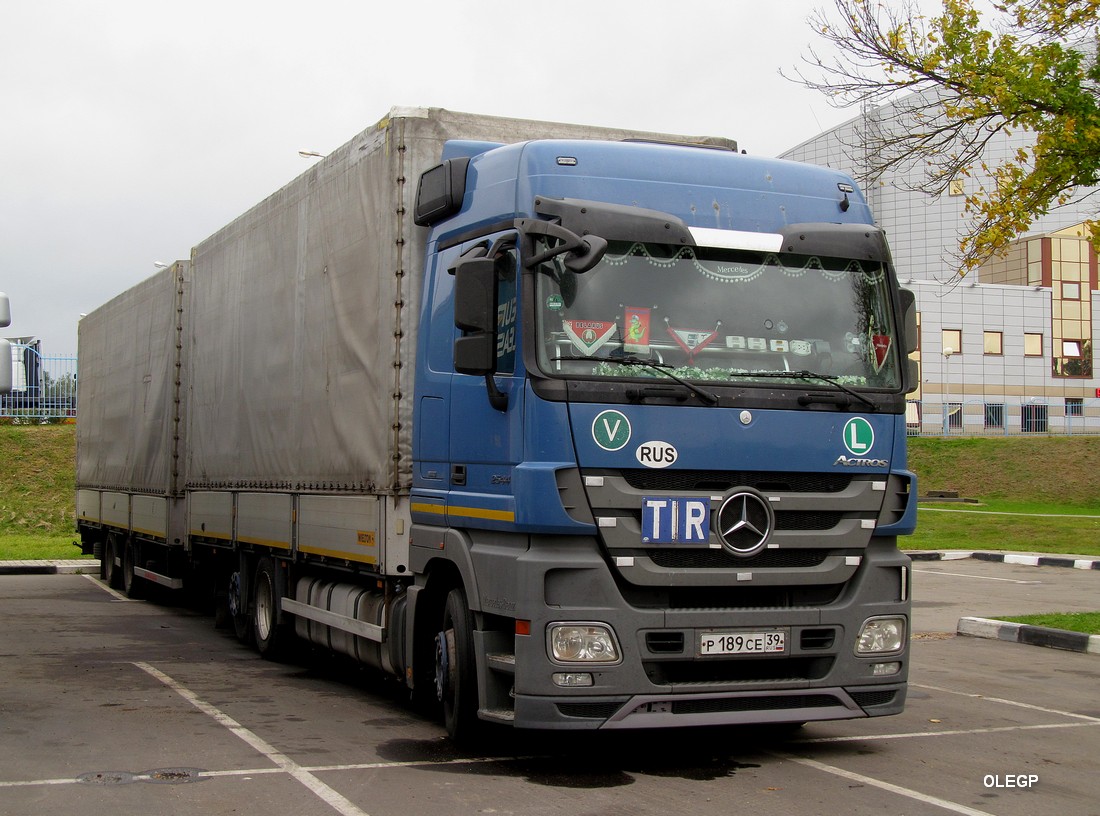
(663, 368)
(803, 374)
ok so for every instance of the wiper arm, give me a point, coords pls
(806, 399)
(663, 368)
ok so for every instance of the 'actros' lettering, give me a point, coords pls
(844, 460)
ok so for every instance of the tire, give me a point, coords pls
(131, 584)
(238, 610)
(111, 572)
(98, 552)
(271, 637)
(455, 670)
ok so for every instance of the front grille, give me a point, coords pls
(721, 559)
(866, 699)
(665, 642)
(817, 638)
(591, 711)
(755, 670)
(769, 703)
(823, 520)
(717, 481)
(745, 597)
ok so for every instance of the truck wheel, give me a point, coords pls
(111, 572)
(271, 636)
(238, 611)
(455, 672)
(131, 584)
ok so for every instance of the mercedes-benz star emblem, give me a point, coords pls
(745, 521)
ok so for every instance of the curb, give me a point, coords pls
(59, 567)
(1009, 558)
(1031, 635)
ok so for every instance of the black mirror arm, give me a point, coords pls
(584, 253)
(497, 398)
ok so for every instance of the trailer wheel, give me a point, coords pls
(98, 552)
(111, 572)
(238, 610)
(131, 584)
(271, 636)
(455, 672)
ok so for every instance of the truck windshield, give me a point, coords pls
(718, 316)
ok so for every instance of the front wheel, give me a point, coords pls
(455, 672)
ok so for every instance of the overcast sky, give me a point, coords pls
(133, 129)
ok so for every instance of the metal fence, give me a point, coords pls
(44, 389)
(1005, 416)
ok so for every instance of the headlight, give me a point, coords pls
(582, 643)
(881, 636)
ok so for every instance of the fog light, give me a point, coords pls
(885, 669)
(881, 636)
(582, 643)
(573, 679)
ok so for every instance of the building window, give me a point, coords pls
(1075, 406)
(952, 339)
(1071, 291)
(1076, 359)
(1033, 344)
(994, 342)
(994, 415)
(1033, 418)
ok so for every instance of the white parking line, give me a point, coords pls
(960, 732)
(946, 804)
(1016, 703)
(976, 577)
(337, 801)
(117, 595)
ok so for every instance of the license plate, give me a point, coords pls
(743, 643)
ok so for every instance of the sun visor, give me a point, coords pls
(737, 239)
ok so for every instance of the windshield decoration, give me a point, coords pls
(879, 345)
(637, 330)
(791, 319)
(588, 336)
(692, 341)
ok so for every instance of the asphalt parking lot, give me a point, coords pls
(111, 706)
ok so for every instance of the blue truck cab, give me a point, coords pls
(659, 447)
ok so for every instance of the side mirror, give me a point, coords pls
(5, 311)
(909, 319)
(475, 314)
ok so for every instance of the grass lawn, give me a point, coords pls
(21, 547)
(1001, 525)
(1087, 622)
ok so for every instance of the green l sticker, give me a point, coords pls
(859, 436)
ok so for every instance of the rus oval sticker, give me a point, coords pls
(655, 454)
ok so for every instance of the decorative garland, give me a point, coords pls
(744, 273)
